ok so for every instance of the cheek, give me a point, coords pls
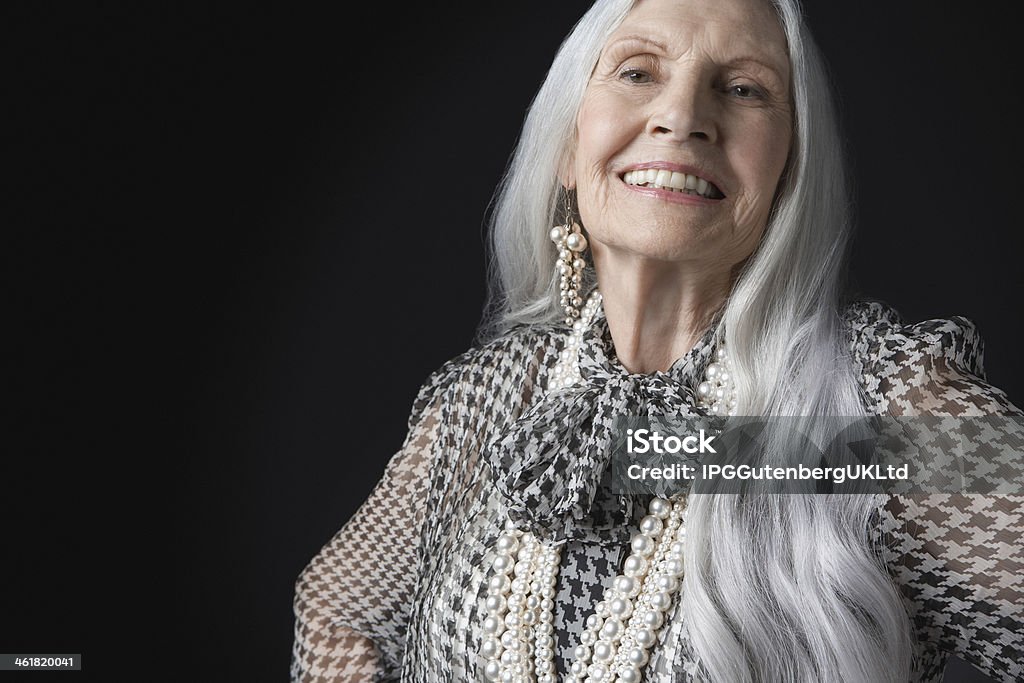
(600, 129)
(771, 154)
(759, 163)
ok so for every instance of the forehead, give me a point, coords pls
(729, 27)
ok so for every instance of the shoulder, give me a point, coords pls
(878, 335)
(515, 359)
(929, 366)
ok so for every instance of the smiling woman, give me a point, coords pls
(686, 153)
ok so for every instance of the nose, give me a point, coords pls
(683, 110)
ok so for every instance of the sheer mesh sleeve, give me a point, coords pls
(352, 600)
(958, 559)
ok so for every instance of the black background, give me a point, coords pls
(237, 241)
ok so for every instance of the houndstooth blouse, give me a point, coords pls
(408, 571)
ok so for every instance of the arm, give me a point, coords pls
(352, 601)
(958, 558)
(959, 562)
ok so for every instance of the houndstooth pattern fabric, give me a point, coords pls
(545, 464)
(398, 593)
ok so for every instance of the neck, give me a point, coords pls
(656, 310)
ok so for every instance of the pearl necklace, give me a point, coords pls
(518, 635)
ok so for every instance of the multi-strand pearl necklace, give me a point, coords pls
(519, 637)
(518, 633)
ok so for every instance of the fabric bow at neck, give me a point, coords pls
(552, 464)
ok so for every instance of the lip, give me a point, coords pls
(669, 195)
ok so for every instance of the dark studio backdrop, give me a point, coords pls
(238, 242)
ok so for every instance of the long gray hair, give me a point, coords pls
(784, 587)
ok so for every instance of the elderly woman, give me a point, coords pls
(687, 153)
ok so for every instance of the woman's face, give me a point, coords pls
(686, 93)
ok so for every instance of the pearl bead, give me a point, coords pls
(576, 242)
(629, 674)
(644, 637)
(637, 656)
(661, 600)
(508, 639)
(582, 653)
(611, 629)
(493, 625)
(659, 507)
(558, 233)
(495, 603)
(635, 566)
(651, 526)
(642, 545)
(502, 563)
(603, 651)
(492, 670)
(499, 583)
(620, 607)
(506, 543)
(666, 583)
(673, 567)
(652, 619)
(626, 585)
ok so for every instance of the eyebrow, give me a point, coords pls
(745, 59)
(635, 39)
(755, 60)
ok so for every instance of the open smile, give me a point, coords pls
(672, 181)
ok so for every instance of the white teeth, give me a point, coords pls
(671, 180)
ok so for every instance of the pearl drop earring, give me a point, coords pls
(571, 243)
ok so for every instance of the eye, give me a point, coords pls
(635, 76)
(745, 92)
